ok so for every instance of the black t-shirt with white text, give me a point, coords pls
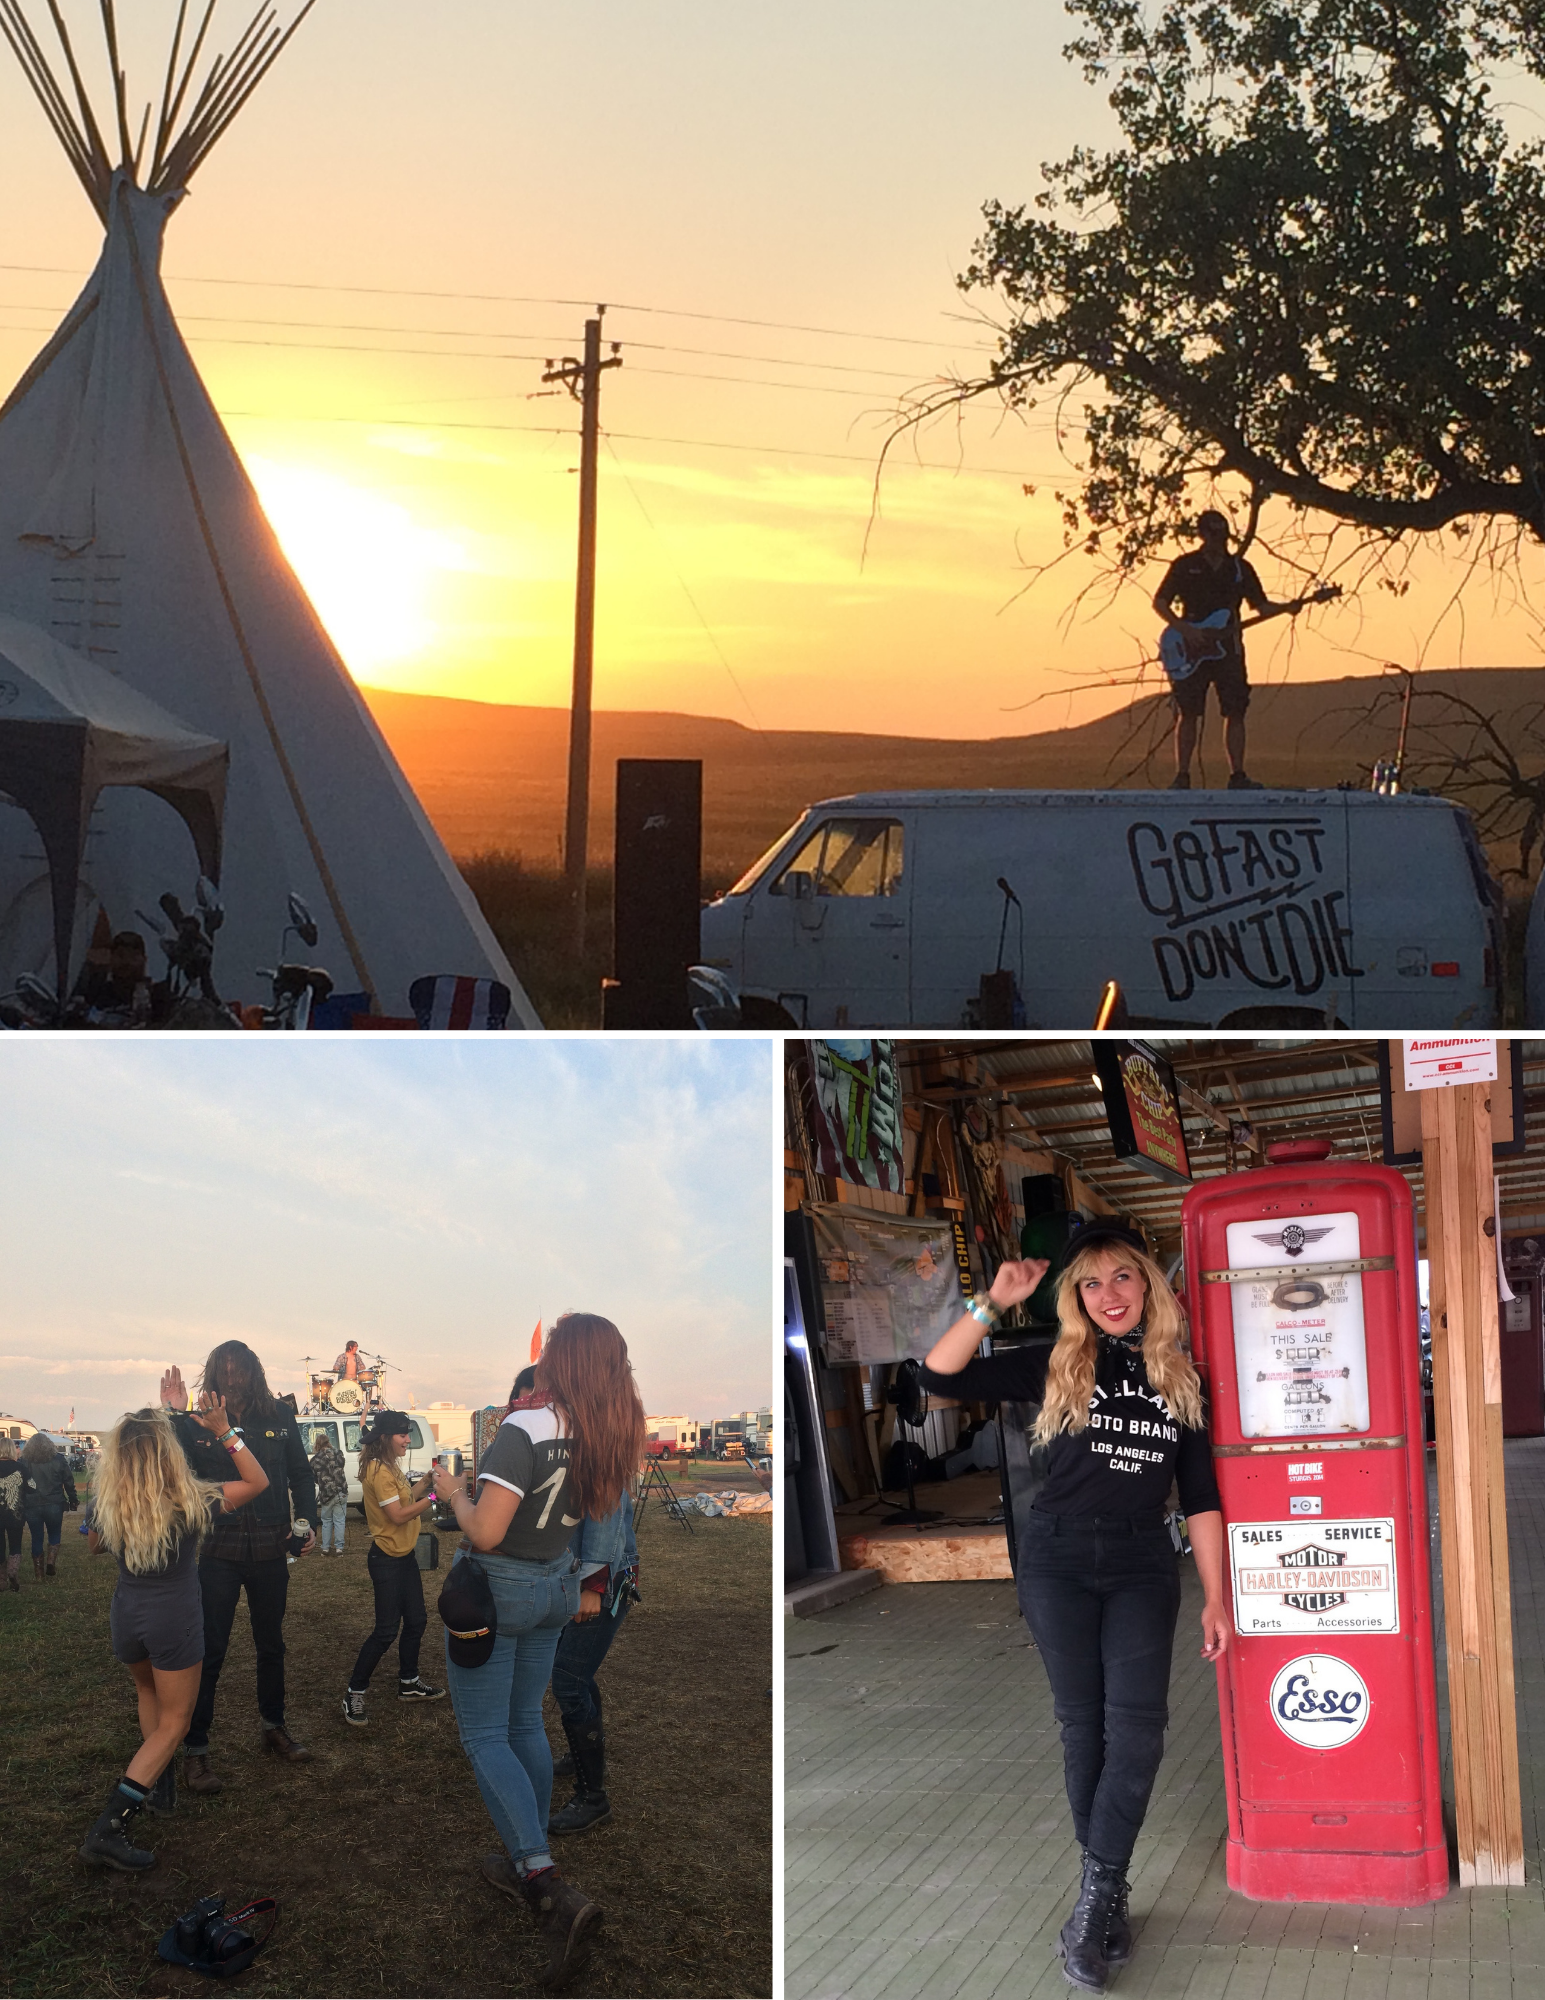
(1120, 1467)
(530, 1456)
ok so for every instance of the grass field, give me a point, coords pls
(372, 1850)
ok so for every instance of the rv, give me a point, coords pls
(1270, 909)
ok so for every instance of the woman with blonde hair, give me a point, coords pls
(150, 1510)
(565, 1453)
(1097, 1572)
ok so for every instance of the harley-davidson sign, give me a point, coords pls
(1328, 1576)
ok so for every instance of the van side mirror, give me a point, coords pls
(799, 884)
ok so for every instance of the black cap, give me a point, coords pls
(1112, 1233)
(389, 1423)
(467, 1610)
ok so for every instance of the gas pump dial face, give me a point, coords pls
(1299, 1349)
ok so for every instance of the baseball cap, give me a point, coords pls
(468, 1613)
(1112, 1235)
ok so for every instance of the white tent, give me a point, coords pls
(68, 731)
(129, 530)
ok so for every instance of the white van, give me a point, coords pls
(421, 1453)
(1270, 909)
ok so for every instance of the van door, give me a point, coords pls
(831, 939)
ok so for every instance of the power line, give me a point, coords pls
(505, 333)
(868, 459)
(518, 299)
(685, 591)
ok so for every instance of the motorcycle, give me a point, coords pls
(297, 988)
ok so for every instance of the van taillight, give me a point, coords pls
(1446, 968)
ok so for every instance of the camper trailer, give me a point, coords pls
(1270, 909)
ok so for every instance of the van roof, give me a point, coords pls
(1320, 797)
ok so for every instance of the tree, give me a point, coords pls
(1313, 274)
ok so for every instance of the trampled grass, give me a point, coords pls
(372, 1850)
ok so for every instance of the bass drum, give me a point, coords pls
(347, 1398)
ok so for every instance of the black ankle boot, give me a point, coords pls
(1118, 1929)
(1082, 1942)
(589, 1806)
(161, 1799)
(108, 1844)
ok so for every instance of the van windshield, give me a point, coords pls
(748, 881)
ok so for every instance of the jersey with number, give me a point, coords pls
(530, 1456)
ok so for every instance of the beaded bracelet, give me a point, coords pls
(984, 1311)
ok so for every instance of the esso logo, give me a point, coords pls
(1319, 1701)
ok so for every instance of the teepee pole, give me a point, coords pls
(93, 134)
(120, 85)
(33, 64)
(173, 111)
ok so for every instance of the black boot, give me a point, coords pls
(108, 1844)
(564, 1768)
(1118, 1928)
(589, 1806)
(1082, 1943)
(161, 1799)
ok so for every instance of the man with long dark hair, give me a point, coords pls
(248, 1549)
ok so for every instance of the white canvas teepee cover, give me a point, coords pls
(129, 530)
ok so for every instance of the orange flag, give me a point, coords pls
(536, 1342)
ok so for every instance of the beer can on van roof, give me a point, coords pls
(1210, 909)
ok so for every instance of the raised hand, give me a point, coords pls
(211, 1414)
(173, 1394)
(1017, 1279)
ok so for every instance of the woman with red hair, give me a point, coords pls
(564, 1454)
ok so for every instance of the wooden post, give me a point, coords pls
(1472, 1509)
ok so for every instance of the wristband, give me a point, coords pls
(983, 1310)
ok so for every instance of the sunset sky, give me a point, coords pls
(418, 208)
(430, 1198)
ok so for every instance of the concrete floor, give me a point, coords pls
(929, 1853)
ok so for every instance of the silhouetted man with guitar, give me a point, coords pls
(1203, 645)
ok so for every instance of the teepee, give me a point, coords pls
(130, 531)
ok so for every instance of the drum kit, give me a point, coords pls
(335, 1394)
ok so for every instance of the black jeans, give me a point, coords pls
(1101, 1600)
(581, 1649)
(221, 1583)
(399, 1592)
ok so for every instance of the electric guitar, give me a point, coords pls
(1181, 652)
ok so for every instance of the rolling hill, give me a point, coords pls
(493, 776)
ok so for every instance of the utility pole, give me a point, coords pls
(582, 379)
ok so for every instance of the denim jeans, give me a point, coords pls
(330, 1519)
(499, 1704)
(399, 1590)
(581, 1649)
(1101, 1600)
(51, 1516)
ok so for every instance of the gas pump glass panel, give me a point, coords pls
(1300, 1352)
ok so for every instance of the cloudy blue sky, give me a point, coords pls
(430, 1198)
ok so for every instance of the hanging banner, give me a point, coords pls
(890, 1284)
(855, 1113)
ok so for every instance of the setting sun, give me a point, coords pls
(367, 564)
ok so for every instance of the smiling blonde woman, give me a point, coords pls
(1098, 1577)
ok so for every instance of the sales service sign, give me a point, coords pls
(1324, 1576)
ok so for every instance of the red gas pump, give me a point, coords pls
(1301, 1289)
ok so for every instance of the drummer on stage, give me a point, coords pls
(346, 1367)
